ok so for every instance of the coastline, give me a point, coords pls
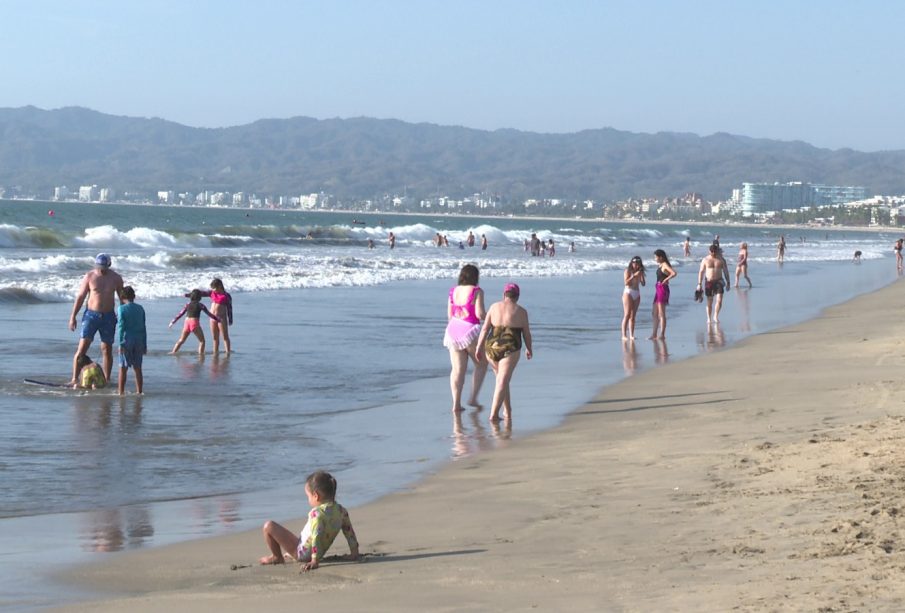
(714, 482)
(595, 220)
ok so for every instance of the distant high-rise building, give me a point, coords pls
(767, 197)
(88, 193)
(108, 194)
(166, 197)
(308, 201)
(60, 193)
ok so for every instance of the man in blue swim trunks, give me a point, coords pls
(100, 286)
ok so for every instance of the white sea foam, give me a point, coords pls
(108, 237)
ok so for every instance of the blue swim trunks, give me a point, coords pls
(105, 323)
(131, 354)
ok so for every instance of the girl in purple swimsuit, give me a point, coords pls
(192, 311)
(465, 310)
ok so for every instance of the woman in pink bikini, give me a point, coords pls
(465, 310)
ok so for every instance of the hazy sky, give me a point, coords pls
(827, 72)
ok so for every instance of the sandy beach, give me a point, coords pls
(764, 477)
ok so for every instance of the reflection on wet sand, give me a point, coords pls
(629, 356)
(661, 353)
(219, 512)
(116, 529)
(476, 437)
(712, 339)
(219, 366)
(190, 365)
(744, 310)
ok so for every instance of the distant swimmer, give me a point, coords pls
(710, 277)
(551, 248)
(572, 247)
(471, 239)
(483, 243)
(897, 248)
(370, 243)
(391, 239)
(687, 247)
(781, 249)
(741, 268)
(535, 244)
(100, 287)
(857, 258)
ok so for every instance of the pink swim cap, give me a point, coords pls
(511, 287)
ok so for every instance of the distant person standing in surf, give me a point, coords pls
(100, 287)
(741, 270)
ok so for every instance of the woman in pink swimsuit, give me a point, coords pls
(465, 310)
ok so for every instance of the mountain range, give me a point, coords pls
(365, 158)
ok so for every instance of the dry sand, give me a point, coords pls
(765, 477)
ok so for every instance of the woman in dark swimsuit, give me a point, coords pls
(505, 327)
(665, 274)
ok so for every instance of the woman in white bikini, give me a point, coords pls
(631, 296)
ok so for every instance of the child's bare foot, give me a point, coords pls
(458, 409)
(495, 418)
(271, 560)
(477, 406)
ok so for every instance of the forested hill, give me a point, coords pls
(364, 157)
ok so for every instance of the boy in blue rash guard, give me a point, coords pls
(133, 340)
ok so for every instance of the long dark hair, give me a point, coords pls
(468, 275)
(659, 253)
(637, 259)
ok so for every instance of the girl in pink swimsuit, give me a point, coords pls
(465, 310)
(222, 307)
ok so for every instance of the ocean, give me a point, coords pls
(338, 361)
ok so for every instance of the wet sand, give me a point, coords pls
(764, 477)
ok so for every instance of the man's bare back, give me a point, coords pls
(100, 287)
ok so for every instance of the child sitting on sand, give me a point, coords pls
(326, 518)
(88, 374)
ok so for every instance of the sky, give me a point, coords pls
(825, 72)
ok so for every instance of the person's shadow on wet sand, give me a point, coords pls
(340, 560)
